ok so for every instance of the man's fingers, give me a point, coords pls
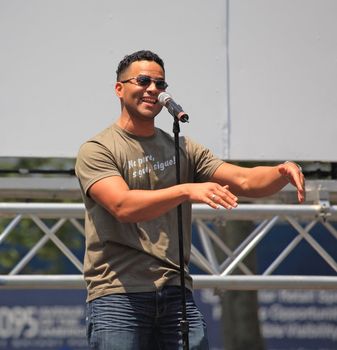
(293, 172)
(301, 189)
(222, 196)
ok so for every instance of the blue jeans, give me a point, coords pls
(144, 321)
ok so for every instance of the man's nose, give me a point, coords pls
(152, 86)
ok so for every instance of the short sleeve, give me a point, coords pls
(205, 163)
(94, 162)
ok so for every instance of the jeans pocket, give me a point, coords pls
(90, 327)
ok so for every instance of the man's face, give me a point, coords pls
(140, 101)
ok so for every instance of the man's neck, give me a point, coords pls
(136, 127)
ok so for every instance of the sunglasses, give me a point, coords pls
(144, 80)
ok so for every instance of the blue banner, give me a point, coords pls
(42, 319)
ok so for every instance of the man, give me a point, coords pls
(127, 176)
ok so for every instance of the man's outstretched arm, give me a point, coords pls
(141, 205)
(261, 181)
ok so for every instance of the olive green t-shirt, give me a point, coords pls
(143, 256)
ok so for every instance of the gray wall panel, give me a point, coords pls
(58, 61)
(283, 73)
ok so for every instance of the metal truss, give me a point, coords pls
(216, 274)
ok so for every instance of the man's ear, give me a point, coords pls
(119, 89)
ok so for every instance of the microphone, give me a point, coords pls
(176, 110)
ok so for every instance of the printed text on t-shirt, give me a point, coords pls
(148, 163)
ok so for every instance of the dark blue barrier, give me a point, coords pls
(42, 319)
(55, 319)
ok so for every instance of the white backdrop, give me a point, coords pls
(283, 59)
(259, 86)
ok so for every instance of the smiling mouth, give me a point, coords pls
(149, 100)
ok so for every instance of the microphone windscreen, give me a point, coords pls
(163, 98)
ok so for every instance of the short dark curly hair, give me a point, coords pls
(142, 55)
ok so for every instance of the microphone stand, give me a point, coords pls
(184, 325)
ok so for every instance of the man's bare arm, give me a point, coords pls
(141, 205)
(260, 181)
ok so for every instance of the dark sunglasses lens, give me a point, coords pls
(143, 80)
(161, 84)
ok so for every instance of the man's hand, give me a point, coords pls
(212, 194)
(293, 173)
